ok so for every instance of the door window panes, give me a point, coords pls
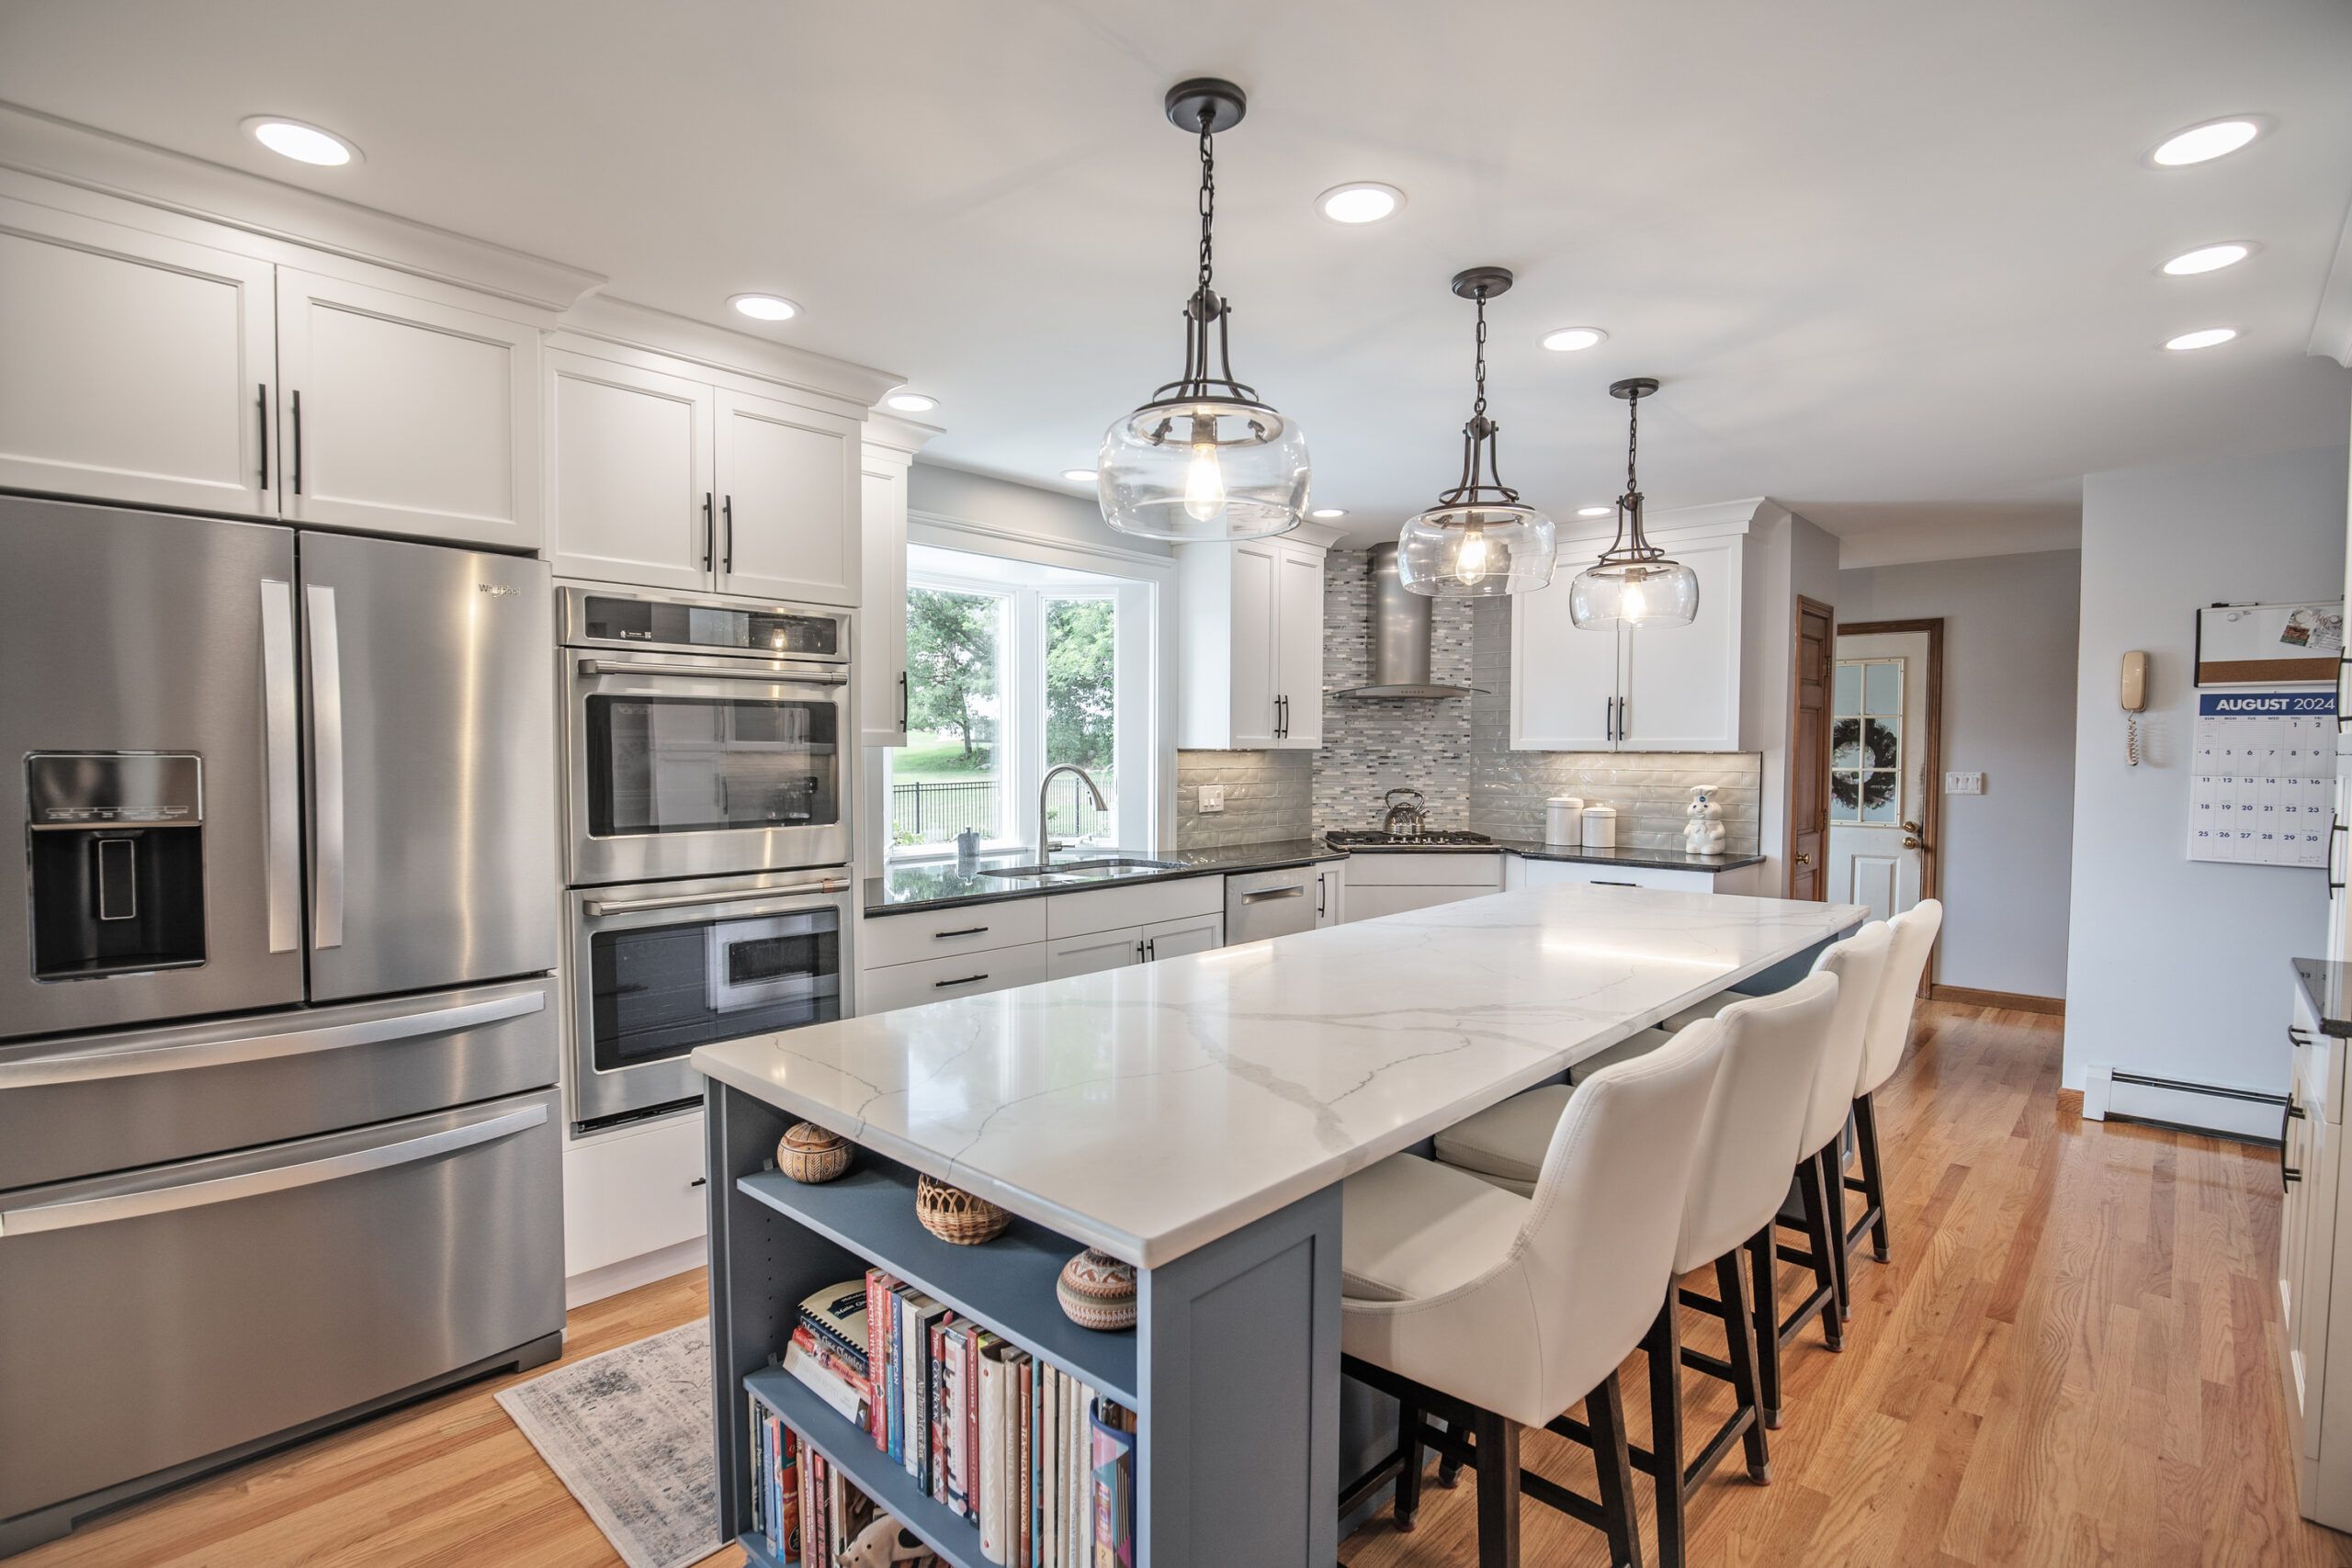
(1866, 742)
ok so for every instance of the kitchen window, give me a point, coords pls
(1866, 742)
(1014, 667)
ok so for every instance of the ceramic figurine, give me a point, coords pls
(1704, 834)
(887, 1543)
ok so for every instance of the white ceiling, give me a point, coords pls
(1896, 265)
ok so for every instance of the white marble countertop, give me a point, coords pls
(1149, 1110)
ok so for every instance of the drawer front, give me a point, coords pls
(1416, 869)
(1083, 954)
(1553, 873)
(1108, 909)
(958, 975)
(631, 1192)
(226, 1299)
(2319, 1062)
(1370, 903)
(911, 938)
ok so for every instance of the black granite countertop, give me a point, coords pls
(928, 885)
(2328, 987)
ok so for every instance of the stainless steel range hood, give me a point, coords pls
(1401, 637)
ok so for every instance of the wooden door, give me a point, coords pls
(628, 473)
(788, 494)
(1680, 685)
(1298, 618)
(406, 416)
(1883, 768)
(133, 367)
(1257, 651)
(1808, 819)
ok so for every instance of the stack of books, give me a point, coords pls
(776, 1483)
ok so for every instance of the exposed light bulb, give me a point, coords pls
(1632, 606)
(1470, 560)
(1205, 478)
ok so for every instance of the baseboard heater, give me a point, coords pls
(2225, 1110)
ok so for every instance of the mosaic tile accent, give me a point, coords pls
(1268, 795)
(1374, 745)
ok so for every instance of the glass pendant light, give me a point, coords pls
(1205, 460)
(1634, 583)
(1478, 540)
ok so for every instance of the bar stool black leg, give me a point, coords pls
(1873, 1176)
(1409, 1479)
(1768, 1325)
(1495, 1439)
(1824, 1250)
(1664, 1343)
(1739, 1333)
(1833, 1197)
(1604, 1412)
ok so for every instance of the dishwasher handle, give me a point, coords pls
(1288, 890)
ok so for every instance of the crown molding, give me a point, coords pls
(1714, 517)
(900, 435)
(655, 331)
(98, 160)
(2332, 325)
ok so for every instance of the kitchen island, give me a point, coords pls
(1195, 1118)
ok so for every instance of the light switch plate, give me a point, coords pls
(1963, 783)
(1212, 800)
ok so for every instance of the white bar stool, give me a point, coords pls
(1888, 1031)
(1754, 1120)
(1495, 1312)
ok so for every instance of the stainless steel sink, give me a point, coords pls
(1105, 866)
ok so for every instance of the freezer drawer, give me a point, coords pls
(93, 1103)
(161, 1316)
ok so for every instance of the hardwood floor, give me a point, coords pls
(2071, 1360)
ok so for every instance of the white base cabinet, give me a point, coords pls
(1524, 872)
(631, 1192)
(1391, 882)
(2315, 1319)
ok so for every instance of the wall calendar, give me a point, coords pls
(2262, 777)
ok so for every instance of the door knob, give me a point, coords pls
(1804, 857)
(1911, 827)
(1909, 843)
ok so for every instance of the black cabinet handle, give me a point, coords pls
(727, 560)
(1596, 882)
(707, 530)
(1151, 947)
(298, 443)
(2288, 1173)
(906, 702)
(966, 980)
(699, 1181)
(2334, 886)
(263, 402)
(2298, 1035)
(1608, 718)
(959, 930)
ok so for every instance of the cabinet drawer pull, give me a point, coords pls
(966, 980)
(727, 510)
(2288, 1173)
(298, 443)
(1597, 882)
(699, 1181)
(264, 411)
(959, 930)
(708, 529)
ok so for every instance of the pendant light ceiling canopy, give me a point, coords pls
(1205, 460)
(1479, 539)
(1634, 583)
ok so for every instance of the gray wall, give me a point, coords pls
(2010, 627)
(2178, 969)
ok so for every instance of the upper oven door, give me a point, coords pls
(689, 766)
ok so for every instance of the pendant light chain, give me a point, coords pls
(1479, 410)
(1207, 204)
(1632, 441)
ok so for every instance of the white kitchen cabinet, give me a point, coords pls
(1117, 948)
(1531, 872)
(1639, 689)
(889, 450)
(2315, 1319)
(1137, 903)
(133, 366)
(1250, 645)
(1391, 882)
(788, 494)
(1188, 934)
(957, 974)
(631, 1192)
(1331, 893)
(629, 472)
(404, 415)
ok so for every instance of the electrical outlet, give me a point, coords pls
(1963, 783)
(1212, 800)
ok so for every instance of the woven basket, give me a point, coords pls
(953, 1214)
(810, 1153)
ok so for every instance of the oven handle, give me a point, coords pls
(597, 909)
(765, 677)
(256, 1183)
(85, 1067)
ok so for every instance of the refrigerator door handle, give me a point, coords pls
(85, 1067)
(282, 767)
(326, 749)
(254, 1184)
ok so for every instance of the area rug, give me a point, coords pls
(629, 1433)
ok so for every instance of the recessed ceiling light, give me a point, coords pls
(764, 307)
(2207, 338)
(2200, 142)
(1594, 510)
(1364, 202)
(1567, 339)
(911, 403)
(303, 143)
(1078, 476)
(2207, 258)
(1328, 513)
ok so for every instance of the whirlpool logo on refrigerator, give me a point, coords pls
(498, 589)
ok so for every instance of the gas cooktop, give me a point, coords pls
(1360, 839)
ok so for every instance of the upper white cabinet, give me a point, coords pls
(1645, 689)
(406, 416)
(629, 468)
(132, 365)
(889, 450)
(789, 491)
(661, 478)
(1251, 645)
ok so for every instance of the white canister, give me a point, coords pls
(1563, 820)
(1600, 826)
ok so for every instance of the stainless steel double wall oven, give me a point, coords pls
(708, 803)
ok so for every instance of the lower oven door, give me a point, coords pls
(658, 970)
(161, 1317)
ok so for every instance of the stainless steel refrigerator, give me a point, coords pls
(278, 1128)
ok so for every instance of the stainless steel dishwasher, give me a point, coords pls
(1259, 904)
